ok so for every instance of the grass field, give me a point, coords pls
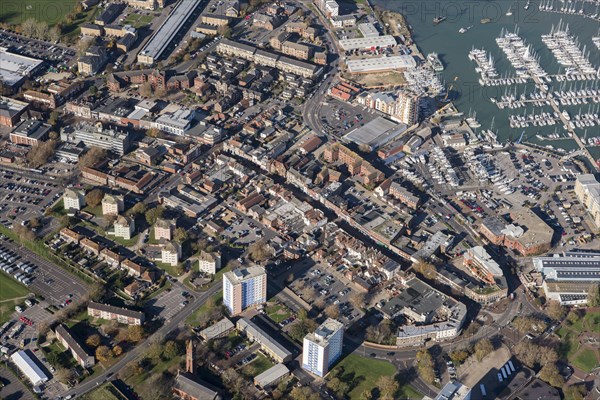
(193, 319)
(50, 11)
(9, 290)
(104, 392)
(278, 313)
(362, 373)
(259, 365)
(586, 360)
(138, 20)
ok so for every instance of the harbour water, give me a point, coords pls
(462, 79)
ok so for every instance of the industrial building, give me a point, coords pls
(381, 64)
(567, 277)
(160, 41)
(375, 133)
(368, 43)
(15, 68)
(28, 364)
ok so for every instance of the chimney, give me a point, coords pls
(189, 357)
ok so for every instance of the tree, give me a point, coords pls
(367, 394)
(54, 118)
(138, 208)
(41, 153)
(551, 376)
(153, 132)
(459, 356)
(483, 348)
(303, 393)
(259, 251)
(92, 157)
(94, 197)
(388, 386)
(594, 295)
(64, 375)
(171, 350)
(290, 278)
(180, 235)
(338, 386)
(358, 299)
(117, 350)
(28, 27)
(555, 310)
(425, 366)
(103, 353)
(135, 333)
(153, 214)
(93, 340)
(93, 90)
(425, 269)
(332, 311)
(34, 222)
(575, 392)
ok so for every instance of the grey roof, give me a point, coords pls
(32, 128)
(72, 342)
(169, 28)
(271, 375)
(217, 329)
(189, 384)
(263, 338)
(116, 310)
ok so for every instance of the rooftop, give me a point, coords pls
(242, 274)
(367, 42)
(381, 64)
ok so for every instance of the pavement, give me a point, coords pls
(49, 280)
(13, 388)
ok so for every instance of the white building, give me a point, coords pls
(73, 199)
(323, 347)
(209, 262)
(29, 367)
(244, 288)
(112, 204)
(124, 227)
(171, 253)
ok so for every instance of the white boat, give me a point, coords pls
(509, 12)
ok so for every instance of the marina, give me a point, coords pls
(542, 83)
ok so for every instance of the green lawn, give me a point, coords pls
(50, 11)
(104, 392)
(193, 319)
(9, 290)
(259, 365)
(362, 374)
(278, 313)
(138, 20)
(591, 321)
(169, 269)
(586, 360)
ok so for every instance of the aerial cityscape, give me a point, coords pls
(299, 199)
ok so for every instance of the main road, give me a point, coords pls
(168, 327)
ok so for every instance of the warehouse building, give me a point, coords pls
(381, 64)
(368, 43)
(160, 41)
(28, 364)
(15, 68)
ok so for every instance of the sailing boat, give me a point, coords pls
(509, 12)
